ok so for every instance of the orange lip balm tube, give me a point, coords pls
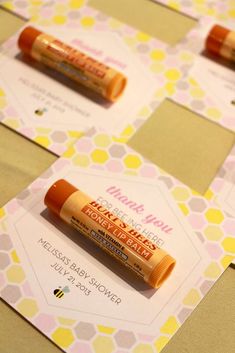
(221, 42)
(76, 65)
(110, 233)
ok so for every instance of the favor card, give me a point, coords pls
(51, 109)
(100, 306)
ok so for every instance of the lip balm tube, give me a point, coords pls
(110, 233)
(74, 64)
(221, 42)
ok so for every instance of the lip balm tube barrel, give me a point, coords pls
(221, 42)
(104, 80)
(110, 233)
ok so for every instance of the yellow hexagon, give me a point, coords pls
(69, 152)
(2, 93)
(42, 140)
(2, 212)
(87, 21)
(114, 24)
(106, 329)
(214, 215)
(120, 139)
(15, 274)
(142, 37)
(170, 88)
(82, 160)
(59, 19)
(60, 8)
(173, 74)
(145, 111)
(229, 244)
(183, 208)
(231, 13)
(170, 326)
(186, 56)
(132, 161)
(214, 113)
(128, 131)
(161, 342)
(9, 5)
(213, 232)
(13, 123)
(213, 270)
(226, 260)
(180, 193)
(28, 307)
(197, 92)
(75, 4)
(3, 102)
(192, 82)
(99, 156)
(65, 321)
(157, 54)
(209, 194)
(157, 67)
(102, 140)
(192, 298)
(63, 337)
(15, 257)
(102, 341)
(44, 22)
(174, 5)
(143, 348)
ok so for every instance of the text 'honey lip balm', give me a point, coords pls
(221, 42)
(110, 233)
(74, 64)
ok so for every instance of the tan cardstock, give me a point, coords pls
(186, 145)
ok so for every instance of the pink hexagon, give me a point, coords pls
(114, 166)
(197, 221)
(2, 280)
(148, 171)
(11, 111)
(84, 145)
(60, 164)
(217, 185)
(214, 250)
(46, 12)
(27, 132)
(12, 206)
(98, 167)
(45, 322)
(27, 289)
(229, 226)
(57, 148)
(145, 338)
(81, 347)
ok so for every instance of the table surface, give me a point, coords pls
(211, 326)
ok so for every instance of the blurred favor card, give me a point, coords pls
(198, 9)
(51, 109)
(47, 10)
(208, 82)
(99, 304)
(226, 196)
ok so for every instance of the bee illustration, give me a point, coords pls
(59, 293)
(40, 111)
(233, 102)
